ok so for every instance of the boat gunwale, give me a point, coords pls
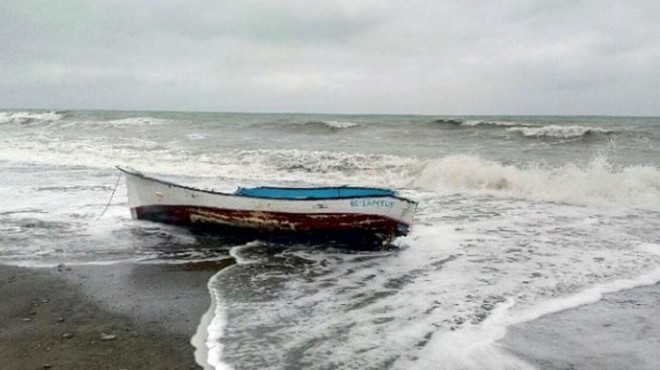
(139, 174)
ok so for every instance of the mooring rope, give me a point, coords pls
(111, 196)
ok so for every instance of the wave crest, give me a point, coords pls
(134, 121)
(28, 118)
(560, 132)
(332, 125)
(476, 123)
(596, 183)
(479, 123)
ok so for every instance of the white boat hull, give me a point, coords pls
(383, 217)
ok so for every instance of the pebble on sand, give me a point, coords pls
(67, 335)
(108, 337)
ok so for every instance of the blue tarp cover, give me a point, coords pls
(313, 193)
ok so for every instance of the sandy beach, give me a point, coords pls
(121, 316)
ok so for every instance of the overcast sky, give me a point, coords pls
(333, 56)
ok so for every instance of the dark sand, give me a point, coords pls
(619, 332)
(57, 317)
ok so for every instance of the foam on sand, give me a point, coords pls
(208, 348)
(476, 346)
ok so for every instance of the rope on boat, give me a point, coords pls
(111, 196)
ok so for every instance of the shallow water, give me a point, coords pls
(518, 217)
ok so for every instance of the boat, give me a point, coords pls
(360, 217)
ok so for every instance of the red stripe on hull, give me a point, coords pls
(354, 231)
(269, 221)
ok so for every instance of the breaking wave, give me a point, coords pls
(449, 121)
(326, 126)
(560, 132)
(28, 118)
(312, 126)
(339, 125)
(479, 123)
(595, 183)
(531, 130)
(135, 121)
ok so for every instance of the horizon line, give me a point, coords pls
(50, 109)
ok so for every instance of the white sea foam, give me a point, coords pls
(475, 123)
(323, 126)
(215, 330)
(477, 345)
(134, 121)
(561, 132)
(198, 340)
(340, 124)
(424, 307)
(30, 117)
(196, 136)
(596, 183)
(474, 347)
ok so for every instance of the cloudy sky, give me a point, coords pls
(334, 56)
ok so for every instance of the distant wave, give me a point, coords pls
(531, 130)
(449, 121)
(134, 121)
(28, 118)
(311, 126)
(332, 125)
(560, 132)
(478, 123)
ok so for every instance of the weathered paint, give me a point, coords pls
(273, 221)
(379, 218)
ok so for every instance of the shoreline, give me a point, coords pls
(121, 316)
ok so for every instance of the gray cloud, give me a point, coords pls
(470, 57)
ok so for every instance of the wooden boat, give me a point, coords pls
(361, 217)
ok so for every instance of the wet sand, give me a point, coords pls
(621, 331)
(122, 316)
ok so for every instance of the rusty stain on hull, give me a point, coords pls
(378, 228)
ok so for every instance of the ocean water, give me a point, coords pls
(519, 218)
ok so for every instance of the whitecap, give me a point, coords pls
(25, 118)
(560, 132)
(340, 124)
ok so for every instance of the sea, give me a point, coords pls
(522, 223)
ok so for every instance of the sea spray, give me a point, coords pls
(597, 183)
(28, 118)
